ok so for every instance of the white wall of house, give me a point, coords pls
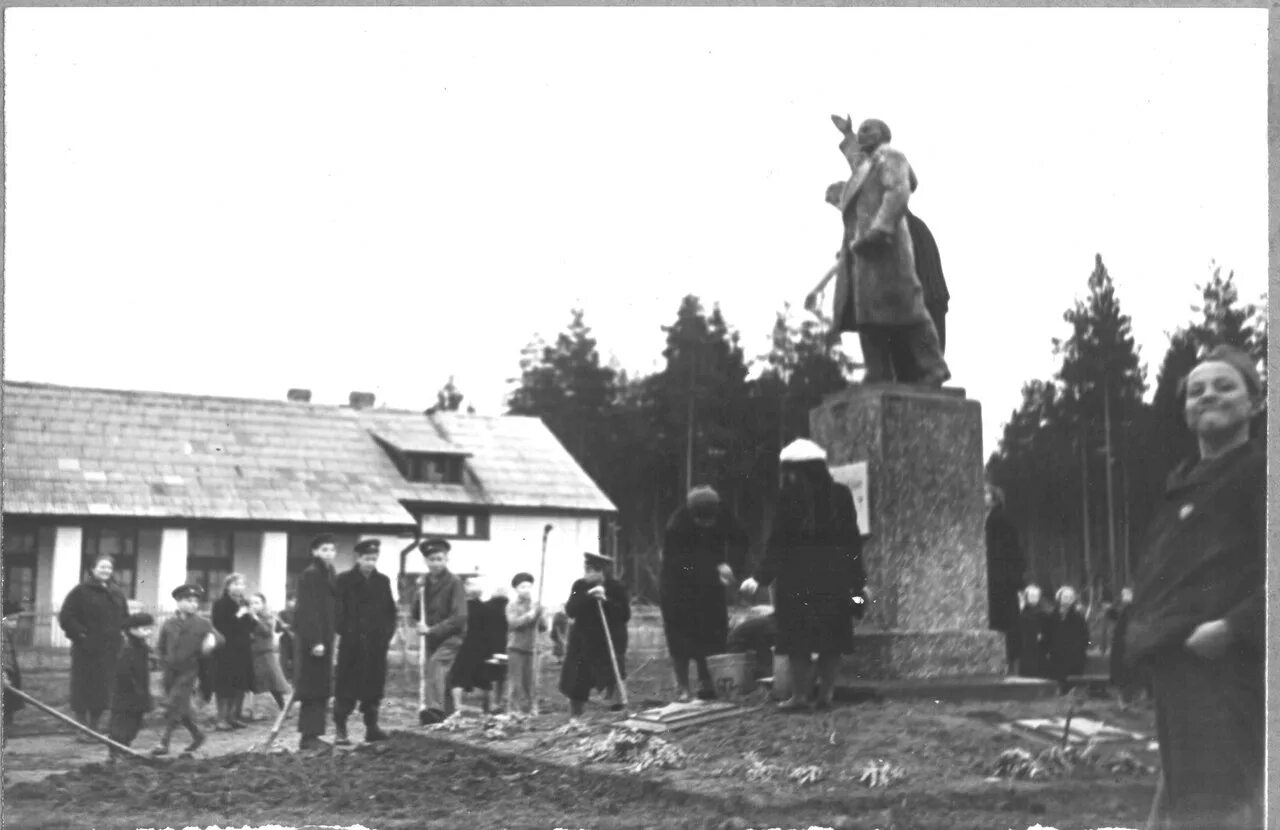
(515, 544)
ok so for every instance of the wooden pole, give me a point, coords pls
(537, 618)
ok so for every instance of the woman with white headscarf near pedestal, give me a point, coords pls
(814, 554)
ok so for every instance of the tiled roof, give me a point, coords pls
(417, 434)
(86, 452)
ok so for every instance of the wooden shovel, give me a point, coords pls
(613, 655)
(280, 718)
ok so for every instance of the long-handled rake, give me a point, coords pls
(100, 738)
(537, 652)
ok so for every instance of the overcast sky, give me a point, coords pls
(236, 201)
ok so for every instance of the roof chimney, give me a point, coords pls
(300, 395)
(361, 400)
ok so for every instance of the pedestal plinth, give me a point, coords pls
(926, 553)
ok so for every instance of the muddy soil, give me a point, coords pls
(538, 774)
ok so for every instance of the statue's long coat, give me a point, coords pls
(878, 285)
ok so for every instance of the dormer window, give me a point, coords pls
(430, 468)
(420, 454)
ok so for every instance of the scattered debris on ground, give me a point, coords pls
(881, 774)
(639, 750)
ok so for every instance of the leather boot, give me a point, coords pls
(162, 748)
(371, 731)
(197, 737)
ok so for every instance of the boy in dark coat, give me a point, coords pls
(131, 697)
(442, 593)
(1033, 629)
(9, 663)
(184, 639)
(314, 623)
(702, 550)
(587, 662)
(366, 622)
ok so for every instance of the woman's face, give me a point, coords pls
(102, 570)
(1217, 399)
(257, 605)
(236, 588)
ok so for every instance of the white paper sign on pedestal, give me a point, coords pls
(854, 476)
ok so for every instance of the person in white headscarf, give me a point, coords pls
(814, 554)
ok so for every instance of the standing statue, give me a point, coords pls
(878, 292)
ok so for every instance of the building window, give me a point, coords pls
(431, 469)
(209, 556)
(21, 556)
(121, 544)
(469, 525)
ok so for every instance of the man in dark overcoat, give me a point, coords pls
(878, 292)
(366, 622)
(93, 616)
(1006, 572)
(314, 626)
(703, 549)
(587, 662)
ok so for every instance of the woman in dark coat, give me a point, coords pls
(815, 554)
(587, 664)
(1198, 620)
(1120, 674)
(703, 548)
(1033, 630)
(233, 663)
(93, 616)
(1068, 638)
(469, 671)
(1005, 569)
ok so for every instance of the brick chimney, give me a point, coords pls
(361, 400)
(300, 395)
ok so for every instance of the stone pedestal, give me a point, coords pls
(926, 555)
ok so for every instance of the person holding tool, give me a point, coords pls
(596, 654)
(440, 610)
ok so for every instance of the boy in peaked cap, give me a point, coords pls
(184, 639)
(365, 621)
(445, 601)
(525, 619)
(131, 693)
(587, 661)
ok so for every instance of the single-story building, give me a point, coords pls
(188, 488)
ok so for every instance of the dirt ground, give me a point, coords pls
(763, 769)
